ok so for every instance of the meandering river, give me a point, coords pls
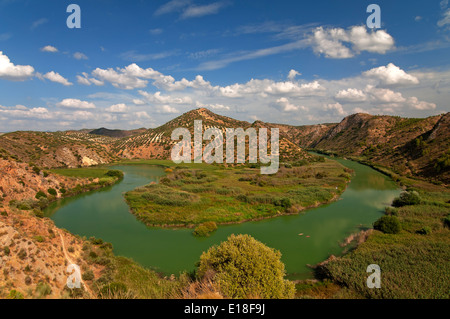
(104, 214)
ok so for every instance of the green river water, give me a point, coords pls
(104, 214)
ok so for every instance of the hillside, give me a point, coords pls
(157, 143)
(409, 146)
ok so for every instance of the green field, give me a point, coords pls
(198, 193)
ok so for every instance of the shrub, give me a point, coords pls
(3, 213)
(43, 289)
(391, 211)
(88, 275)
(284, 202)
(96, 241)
(244, 267)
(6, 250)
(14, 294)
(388, 224)
(204, 229)
(447, 221)
(70, 249)
(112, 289)
(407, 198)
(52, 191)
(39, 239)
(22, 254)
(38, 213)
(426, 230)
(36, 169)
(114, 173)
(40, 194)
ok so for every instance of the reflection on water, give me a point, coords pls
(105, 214)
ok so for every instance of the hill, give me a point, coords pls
(116, 133)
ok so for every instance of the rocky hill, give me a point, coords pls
(411, 146)
(116, 133)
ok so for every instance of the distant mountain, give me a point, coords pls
(116, 133)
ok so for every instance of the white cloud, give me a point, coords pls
(75, 104)
(22, 112)
(167, 109)
(384, 95)
(171, 6)
(212, 106)
(332, 42)
(9, 71)
(292, 74)
(80, 56)
(283, 104)
(38, 23)
(56, 77)
(142, 115)
(391, 75)
(351, 95)
(138, 102)
(445, 19)
(420, 105)
(117, 108)
(49, 48)
(155, 31)
(335, 108)
(165, 99)
(196, 11)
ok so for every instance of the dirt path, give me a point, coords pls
(70, 261)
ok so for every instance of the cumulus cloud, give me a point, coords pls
(384, 95)
(338, 43)
(49, 48)
(12, 72)
(56, 77)
(292, 74)
(335, 108)
(284, 105)
(351, 95)
(75, 104)
(22, 112)
(391, 75)
(117, 108)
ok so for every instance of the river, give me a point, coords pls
(104, 214)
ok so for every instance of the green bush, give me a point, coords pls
(391, 211)
(6, 250)
(88, 275)
(426, 230)
(447, 221)
(114, 173)
(40, 194)
(14, 294)
(43, 289)
(407, 198)
(245, 268)
(39, 239)
(388, 224)
(52, 191)
(204, 229)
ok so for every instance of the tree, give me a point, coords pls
(244, 267)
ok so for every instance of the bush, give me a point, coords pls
(43, 289)
(426, 230)
(88, 275)
(6, 250)
(14, 294)
(52, 191)
(204, 229)
(388, 225)
(40, 194)
(391, 211)
(70, 249)
(96, 241)
(407, 198)
(114, 173)
(39, 239)
(113, 289)
(244, 267)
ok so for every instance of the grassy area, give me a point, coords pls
(86, 172)
(197, 193)
(414, 263)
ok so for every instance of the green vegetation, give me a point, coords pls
(204, 229)
(191, 196)
(14, 294)
(388, 225)
(245, 268)
(414, 261)
(52, 191)
(407, 198)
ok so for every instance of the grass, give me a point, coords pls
(197, 193)
(414, 262)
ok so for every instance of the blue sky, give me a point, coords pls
(141, 63)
